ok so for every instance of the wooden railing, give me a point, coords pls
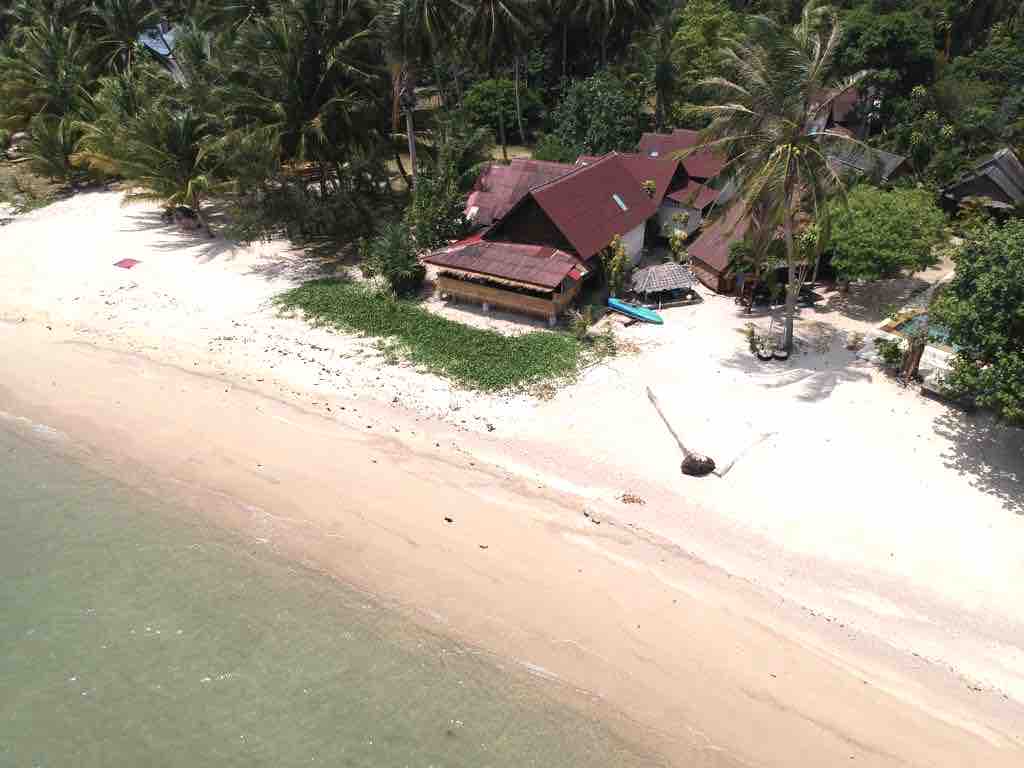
(499, 297)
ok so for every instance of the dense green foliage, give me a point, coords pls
(983, 308)
(392, 256)
(884, 233)
(483, 100)
(473, 357)
(596, 115)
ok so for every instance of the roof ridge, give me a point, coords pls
(573, 170)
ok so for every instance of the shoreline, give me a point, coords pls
(363, 496)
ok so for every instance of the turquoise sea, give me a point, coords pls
(131, 635)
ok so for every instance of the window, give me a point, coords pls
(654, 153)
(618, 202)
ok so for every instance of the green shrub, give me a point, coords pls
(598, 115)
(483, 101)
(554, 150)
(890, 351)
(616, 265)
(392, 256)
(883, 233)
(580, 322)
(436, 215)
(52, 143)
(982, 307)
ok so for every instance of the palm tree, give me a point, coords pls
(120, 23)
(301, 81)
(654, 48)
(165, 154)
(496, 30)
(781, 171)
(605, 16)
(413, 31)
(47, 72)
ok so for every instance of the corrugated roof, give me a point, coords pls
(870, 162)
(500, 187)
(695, 195)
(582, 204)
(712, 247)
(660, 170)
(1002, 168)
(535, 265)
(703, 164)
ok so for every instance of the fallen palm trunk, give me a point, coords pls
(693, 463)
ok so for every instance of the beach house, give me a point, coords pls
(997, 180)
(537, 251)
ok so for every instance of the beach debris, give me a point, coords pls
(448, 520)
(631, 498)
(693, 464)
(126, 263)
(482, 546)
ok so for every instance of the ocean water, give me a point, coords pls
(132, 636)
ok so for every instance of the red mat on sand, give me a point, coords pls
(126, 263)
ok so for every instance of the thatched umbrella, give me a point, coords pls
(662, 278)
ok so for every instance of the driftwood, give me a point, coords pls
(693, 463)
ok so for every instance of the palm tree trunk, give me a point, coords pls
(565, 48)
(411, 137)
(501, 133)
(793, 284)
(438, 78)
(203, 223)
(519, 109)
(401, 166)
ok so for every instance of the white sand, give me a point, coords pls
(873, 509)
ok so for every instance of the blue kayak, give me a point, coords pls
(635, 311)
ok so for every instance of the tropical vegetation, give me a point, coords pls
(331, 122)
(878, 233)
(473, 357)
(983, 309)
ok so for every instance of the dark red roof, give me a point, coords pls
(585, 204)
(703, 164)
(538, 265)
(660, 170)
(712, 247)
(843, 104)
(695, 195)
(502, 186)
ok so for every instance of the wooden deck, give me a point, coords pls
(495, 296)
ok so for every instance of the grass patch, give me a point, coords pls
(472, 357)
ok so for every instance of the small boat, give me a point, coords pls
(635, 311)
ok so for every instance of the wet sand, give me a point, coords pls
(705, 668)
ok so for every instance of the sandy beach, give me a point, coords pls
(849, 589)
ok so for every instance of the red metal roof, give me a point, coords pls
(703, 164)
(712, 247)
(595, 202)
(502, 186)
(695, 195)
(660, 170)
(537, 265)
(843, 104)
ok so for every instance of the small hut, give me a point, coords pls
(664, 283)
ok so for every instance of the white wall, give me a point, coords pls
(634, 242)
